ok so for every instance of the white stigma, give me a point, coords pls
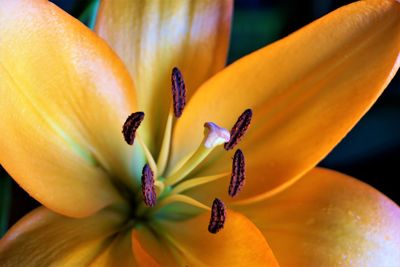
(215, 135)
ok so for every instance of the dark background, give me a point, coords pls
(370, 152)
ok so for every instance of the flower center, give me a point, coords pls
(160, 189)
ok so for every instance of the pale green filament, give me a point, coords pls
(159, 187)
(182, 199)
(166, 143)
(196, 182)
(149, 157)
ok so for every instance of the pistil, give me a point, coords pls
(213, 136)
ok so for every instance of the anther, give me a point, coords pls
(148, 188)
(218, 216)
(238, 174)
(239, 129)
(178, 92)
(131, 125)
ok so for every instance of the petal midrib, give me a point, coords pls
(75, 146)
(277, 102)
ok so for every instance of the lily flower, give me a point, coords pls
(230, 179)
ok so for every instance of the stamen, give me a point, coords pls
(130, 126)
(178, 92)
(148, 188)
(218, 216)
(239, 129)
(238, 174)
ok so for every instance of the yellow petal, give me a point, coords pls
(329, 219)
(118, 253)
(152, 37)
(82, 254)
(240, 243)
(43, 237)
(306, 91)
(64, 98)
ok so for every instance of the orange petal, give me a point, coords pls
(152, 37)
(240, 243)
(65, 96)
(306, 91)
(329, 219)
(43, 238)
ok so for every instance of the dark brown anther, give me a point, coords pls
(238, 174)
(218, 216)
(148, 188)
(178, 92)
(239, 129)
(130, 126)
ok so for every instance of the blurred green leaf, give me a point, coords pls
(84, 10)
(375, 134)
(253, 29)
(5, 201)
(89, 13)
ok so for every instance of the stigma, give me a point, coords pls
(215, 135)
